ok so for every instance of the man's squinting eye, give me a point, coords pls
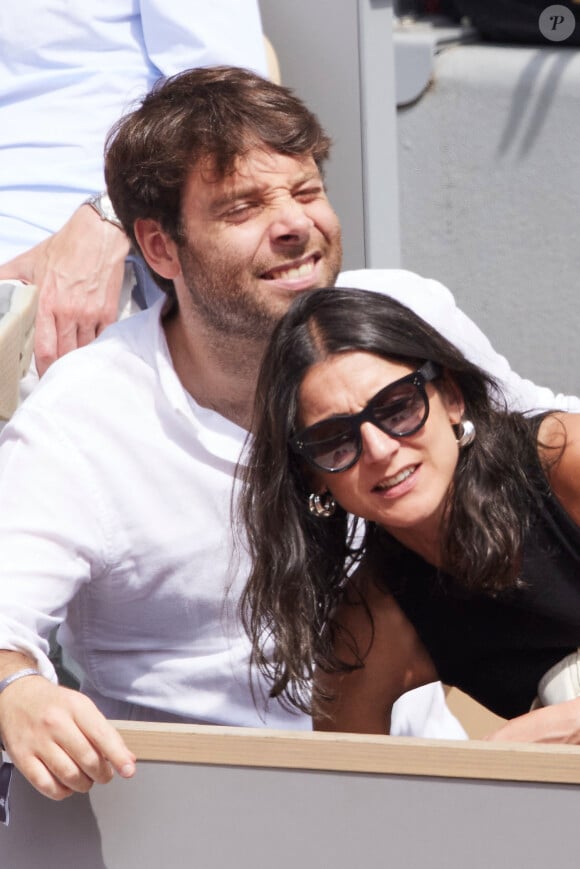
(307, 194)
(240, 211)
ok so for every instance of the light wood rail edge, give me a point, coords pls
(344, 752)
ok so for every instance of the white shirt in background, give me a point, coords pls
(70, 68)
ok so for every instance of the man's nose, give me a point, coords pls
(377, 445)
(290, 223)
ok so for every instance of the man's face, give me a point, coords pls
(254, 239)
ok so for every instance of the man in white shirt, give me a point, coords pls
(116, 474)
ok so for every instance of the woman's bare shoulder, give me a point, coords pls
(392, 658)
(559, 449)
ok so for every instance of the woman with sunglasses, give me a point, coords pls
(467, 565)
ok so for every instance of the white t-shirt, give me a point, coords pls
(70, 68)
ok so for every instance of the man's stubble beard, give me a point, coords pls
(233, 310)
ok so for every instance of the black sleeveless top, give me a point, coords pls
(497, 647)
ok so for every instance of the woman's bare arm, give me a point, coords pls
(395, 661)
(561, 432)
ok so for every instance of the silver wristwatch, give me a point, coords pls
(101, 203)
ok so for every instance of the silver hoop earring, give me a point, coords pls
(324, 509)
(465, 433)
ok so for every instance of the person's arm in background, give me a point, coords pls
(435, 303)
(79, 270)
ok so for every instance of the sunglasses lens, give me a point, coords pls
(332, 445)
(399, 410)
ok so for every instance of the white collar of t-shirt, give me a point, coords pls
(220, 436)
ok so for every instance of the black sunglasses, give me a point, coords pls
(399, 410)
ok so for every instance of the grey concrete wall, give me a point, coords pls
(489, 175)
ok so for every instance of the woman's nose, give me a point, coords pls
(376, 444)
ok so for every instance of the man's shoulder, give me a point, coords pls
(109, 368)
(134, 336)
(405, 286)
(138, 334)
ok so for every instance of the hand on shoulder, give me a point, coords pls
(79, 272)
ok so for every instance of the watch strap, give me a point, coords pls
(101, 203)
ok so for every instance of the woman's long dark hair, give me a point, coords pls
(301, 562)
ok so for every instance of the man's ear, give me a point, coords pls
(157, 247)
(452, 398)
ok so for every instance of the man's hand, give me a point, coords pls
(58, 739)
(558, 723)
(79, 272)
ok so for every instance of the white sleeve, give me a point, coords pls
(51, 525)
(424, 713)
(181, 35)
(435, 304)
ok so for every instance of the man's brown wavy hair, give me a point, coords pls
(218, 113)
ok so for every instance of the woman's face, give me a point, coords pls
(399, 483)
